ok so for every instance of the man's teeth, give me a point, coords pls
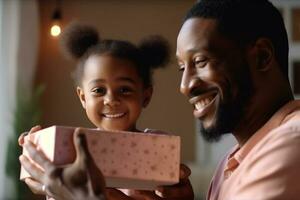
(202, 103)
(114, 115)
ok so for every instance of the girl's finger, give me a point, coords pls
(185, 171)
(35, 129)
(35, 187)
(21, 138)
(146, 195)
(38, 156)
(182, 190)
(31, 168)
(114, 194)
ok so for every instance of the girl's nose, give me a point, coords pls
(111, 100)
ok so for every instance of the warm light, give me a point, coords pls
(55, 30)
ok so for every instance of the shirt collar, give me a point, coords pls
(238, 154)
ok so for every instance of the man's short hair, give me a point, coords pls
(244, 21)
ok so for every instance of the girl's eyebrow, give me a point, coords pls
(96, 81)
(125, 79)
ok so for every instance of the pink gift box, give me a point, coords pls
(126, 159)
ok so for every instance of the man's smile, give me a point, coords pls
(203, 103)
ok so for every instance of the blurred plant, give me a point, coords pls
(27, 114)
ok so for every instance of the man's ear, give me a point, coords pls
(81, 96)
(147, 96)
(264, 54)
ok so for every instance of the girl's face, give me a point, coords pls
(112, 93)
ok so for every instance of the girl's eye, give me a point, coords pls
(99, 91)
(125, 90)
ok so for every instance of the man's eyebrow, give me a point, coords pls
(192, 50)
(196, 49)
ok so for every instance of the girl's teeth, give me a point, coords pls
(114, 115)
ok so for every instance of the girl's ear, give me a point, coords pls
(81, 96)
(147, 96)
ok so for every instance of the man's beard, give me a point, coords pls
(229, 114)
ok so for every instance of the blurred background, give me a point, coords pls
(37, 88)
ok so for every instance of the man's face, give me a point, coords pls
(215, 76)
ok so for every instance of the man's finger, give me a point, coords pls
(83, 158)
(81, 147)
(76, 173)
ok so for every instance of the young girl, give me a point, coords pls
(113, 77)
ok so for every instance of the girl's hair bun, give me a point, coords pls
(77, 38)
(155, 51)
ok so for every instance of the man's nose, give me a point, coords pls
(187, 81)
(111, 99)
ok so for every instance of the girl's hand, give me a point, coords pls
(179, 191)
(21, 139)
(79, 180)
(34, 186)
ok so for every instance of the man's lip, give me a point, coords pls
(203, 103)
(202, 96)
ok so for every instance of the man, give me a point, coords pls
(233, 55)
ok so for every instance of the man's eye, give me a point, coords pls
(99, 91)
(181, 67)
(200, 62)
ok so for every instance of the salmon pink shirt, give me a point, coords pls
(267, 166)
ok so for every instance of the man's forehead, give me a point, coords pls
(196, 24)
(196, 32)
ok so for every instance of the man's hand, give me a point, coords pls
(77, 181)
